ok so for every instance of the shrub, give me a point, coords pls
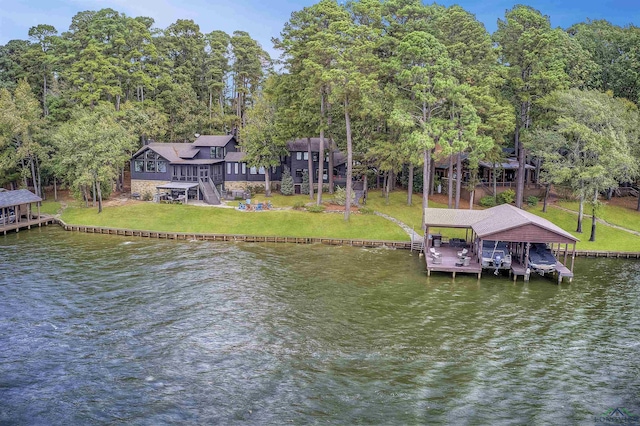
(532, 200)
(304, 188)
(286, 187)
(147, 196)
(298, 205)
(340, 196)
(506, 197)
(487, 201)
(366, 210)
(255, 189)
(315, 208)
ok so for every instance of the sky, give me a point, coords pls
(264, 19)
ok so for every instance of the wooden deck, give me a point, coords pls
(517, 269)
(26, 224)
(449, 260)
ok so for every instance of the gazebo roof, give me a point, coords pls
(18, 197)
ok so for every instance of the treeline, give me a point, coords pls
(393, 84)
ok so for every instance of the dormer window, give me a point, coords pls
(218, 152)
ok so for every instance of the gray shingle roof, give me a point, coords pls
(18, 197)
(212, 140)
(487, 222)
(301, 145)
(237, 156)
(454, 218)
(506, 216)
(172, 152)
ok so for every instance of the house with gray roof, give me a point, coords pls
(214, 163)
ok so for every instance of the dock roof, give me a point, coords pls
(503, 223)
(17, 197)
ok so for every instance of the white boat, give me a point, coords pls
(496, 255)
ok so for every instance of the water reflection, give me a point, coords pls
(105, 329)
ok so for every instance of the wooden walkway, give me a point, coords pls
(27, 224)
(451, 262)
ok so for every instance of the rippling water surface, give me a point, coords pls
(105, 329)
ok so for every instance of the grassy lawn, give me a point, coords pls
(411, 215)
(279, 200)
(607, 238)
(180, 218)
(50, 207)
(617, 215)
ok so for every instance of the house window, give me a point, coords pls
(299, 173)
(274, 169)
(217, 152)
(298, 155)
(150, 162)
(228, 168)
(253, 171)
(305, 156)
(315, 156)
(244, 168)
(261, 171)
(235, 167)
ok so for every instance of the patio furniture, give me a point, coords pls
(259, 207)
(434, 253)
(242, 206)
(269, 206)
(463, 253)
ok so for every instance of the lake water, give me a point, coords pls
(104, 329)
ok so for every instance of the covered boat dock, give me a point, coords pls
(16, 211)
(506, 223)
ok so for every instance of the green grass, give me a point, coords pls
(279, 200)
(180, 218)
(607, 238)
(50, 207)
(411, 215)
(617, 215)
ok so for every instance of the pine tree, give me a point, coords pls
(286, 185)
(304, 188)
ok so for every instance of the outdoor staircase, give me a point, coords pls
(417, 245)
(209, 191)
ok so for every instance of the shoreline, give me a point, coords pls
(402, 245)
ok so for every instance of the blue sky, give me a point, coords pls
(264, 19)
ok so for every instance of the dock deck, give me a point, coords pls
(451, 262)
(26, 224)
(518, 269)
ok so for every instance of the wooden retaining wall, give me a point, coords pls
(405, 245)
(234, 237)
(616, 254)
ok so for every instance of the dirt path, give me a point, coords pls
(604, 222)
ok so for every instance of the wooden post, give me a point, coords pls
(573, 256)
